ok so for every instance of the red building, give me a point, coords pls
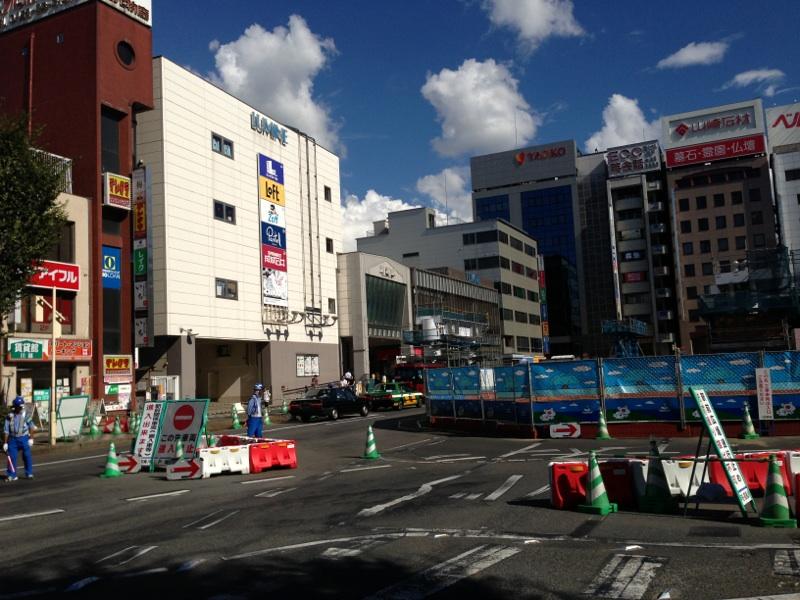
(81, 71)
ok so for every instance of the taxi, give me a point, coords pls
(393, 395)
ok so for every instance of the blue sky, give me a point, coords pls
(406, 92)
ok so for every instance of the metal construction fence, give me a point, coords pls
(630, 390)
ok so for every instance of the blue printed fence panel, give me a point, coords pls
(784, 371)
(577, 378)
(466, 392)
(728, 407)
(439, 392)
(725, 373)
(641, 388)
(566, 411)
(503, 408)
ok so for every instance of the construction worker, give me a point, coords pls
(255, 426)
(18, 430)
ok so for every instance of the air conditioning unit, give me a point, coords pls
(663, 293)
(665, 315)
(655, 206)
(660, 271)
(659, 249)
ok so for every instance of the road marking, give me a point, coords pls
(190, 565)
(29, 515)
(267, 480)
(220, 520)
(439, 456)
(787, 562)
(509, 483)
(521, 450)
(458, 495)
(625, 576)
(449, 460)
(443, 575)
(141, 552)
(409, 445)
(203, 518)
(364, 468)
(273, 493)
(425, 488)
(345, 540)
(151, 496)
(778, 597)
(541, 490)
(358, 548)
(474, 496)
(69, 460)
(152, 571)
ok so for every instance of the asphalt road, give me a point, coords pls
(439, 515)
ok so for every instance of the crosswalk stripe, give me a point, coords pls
(625, 576)
(509, 483)
(458, 495)
(787, 562)
(273, 493)
(445, 574)
(541, 490)
(474, 496)
(359, 547)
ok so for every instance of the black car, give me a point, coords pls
(328, 402)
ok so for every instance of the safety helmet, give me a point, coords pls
(18, 401)
(258, 387)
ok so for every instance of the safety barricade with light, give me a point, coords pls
(567, 484)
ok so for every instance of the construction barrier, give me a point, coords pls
(618, 478)
(792, 458)
(758, 472)
(679, 476)
(238, 459)
(273, 453)
(213, 460)
(567, 484)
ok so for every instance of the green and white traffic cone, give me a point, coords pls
(235, 419)
(284, 407)
(596, 497)
(657, 495)
(94, 430)
(112, 464)
(179, 450)
(266, 418)
(748, 431)
(775, 512)
(602, 427)
(371, 451)
(117, 429)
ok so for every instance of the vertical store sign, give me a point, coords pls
(142, 281)
(764, 394)
(112, 268)
(272, 212)
(543, 306)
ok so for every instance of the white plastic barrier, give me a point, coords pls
(679, 474)
(214, 460)
(792, 458)
(238, 459)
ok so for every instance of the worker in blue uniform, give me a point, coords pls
(255, 426)
(18, 430)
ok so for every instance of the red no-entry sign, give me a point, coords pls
(183, 417)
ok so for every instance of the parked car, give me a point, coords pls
(328, 402)
(392, 395)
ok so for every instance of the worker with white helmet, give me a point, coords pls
(18, 432)
(255, 426)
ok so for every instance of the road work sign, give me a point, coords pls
(565, 430)
(164, 424)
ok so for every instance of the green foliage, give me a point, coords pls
(30, 219)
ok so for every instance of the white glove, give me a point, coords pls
(5, 447)
(30, 442)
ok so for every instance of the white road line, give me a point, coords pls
(625, 576)
(273, 493)
(364, 468)
(358, 548)
(541, 490)
(29, 515)
(110, 556)
(449, 460)
(425, 488)
(220, 520)
(267, 480)
(458, 495)
(409, 445)
(216, 512)
(509, 483)
(778, 597)
(474, 496)
(69, 460)
(445, 574)
(521, 450)
(438, 456)
(787, 562)
(141, 552)
(151, 496)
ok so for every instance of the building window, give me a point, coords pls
(64, 249)
(431, 221)
(503, 287)
(701, 202)
(702, 224)
(792, 174)
(221, 145)
(530, 250)
(536, 344)
(759, 240)
(724, 266)
(533, 296)
(798, 199)
(736, 197)
(508, 341)
(227, 289)
(410, 254)
(686, 227)
(531, 273)
(329, 245)
(508, 314)
(520, 317)
(332, 306)
(688, 270)
(519, 292)
(484, 237)
(535, 319)
(489, 262)
(722, 244)
(691, 292)
(754, 194)
(224, 212)
(327, 192)
(468, 239)
(738, 220)
(708, 268)
(719, 200)
(505, 263)
(705, 246)
(683, 204)
(741, 242)
(688, 248)
(694, 315)
(125, 53)
(757, 217)
(518, 267)
(522, 344)
(517, 244)
(109, 140)
(721, 222)
(492, 207)
(502, 236)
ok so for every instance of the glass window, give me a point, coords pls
(691, 292)
(792, 174)
(64, 249)
(686, 226)
(719, 200)
(536, 344)
(724, 266)
(736, 197)
(705, 246)
(688, 270)
(329, 245)
(722, 244)
(757, 217)
(519, 292)
(754, 194)
(468, 239)
(533, 296)
(702, 224)
(683, 204)
(508, 314)
(721, 222)
(410, 254)
(708, 268)
(328, 195)
(109, 140)
(530, 250)
(535, 319)
(224, 212)
(489, 262)
(532, 273)
(492, 207)
(227, 289)
(520, 317)
(332, 306)
(701, 203)
(518, 268)
(523, 344)
(482, 237)
(516, 244)
(221, 145)
(741, 242)
(738, 220)
(759, 240)
(505, 263)
(502, 236)
(694, 315)
(386, 301)
(688, 248)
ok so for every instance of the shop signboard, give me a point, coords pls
(146, 440)
(764, 395)
(714, 124)
(272, 206)
(783, 125)
(117, 368)
(73, 349)
(112, 268)
(633, 159)
(27, 349)
(62, 276)
(711, 151)
(117, 191)
(16, 13)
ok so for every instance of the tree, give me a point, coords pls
(30, 218)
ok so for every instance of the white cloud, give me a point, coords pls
(358, 215)
(765, 80)
(477, 105)
(695, 53)
(623, 123)
(275, 70)
(534, 20)
(450, 191)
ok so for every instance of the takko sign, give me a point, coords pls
(521, 157)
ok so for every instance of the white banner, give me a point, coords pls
(764, 390)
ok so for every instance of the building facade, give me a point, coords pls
(783, 127)
(491, 252)
(243, 225)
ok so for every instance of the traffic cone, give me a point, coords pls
(371, 451)
(748, 431)
(596, 497)
(775, 512)
(94, 430)
(179, 450)
(235, 419)
(116, 430)
(657, 496)
(602, 427)
(266, 419)
(284, 407)
(133, 422)
(112, 464)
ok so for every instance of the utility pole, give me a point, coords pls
(55, 332)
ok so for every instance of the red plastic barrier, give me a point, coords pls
(260, 457)
(716, 473)
(568, 484)
(618, 480)
(797, 496)
(760, 471)
(284, 453)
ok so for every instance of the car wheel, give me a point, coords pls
(398, 406)
(334, 414)
(305, 418)
(364, 410)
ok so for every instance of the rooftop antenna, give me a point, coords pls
(446, 208)
(516, 142)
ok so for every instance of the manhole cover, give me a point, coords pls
(715, 532)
